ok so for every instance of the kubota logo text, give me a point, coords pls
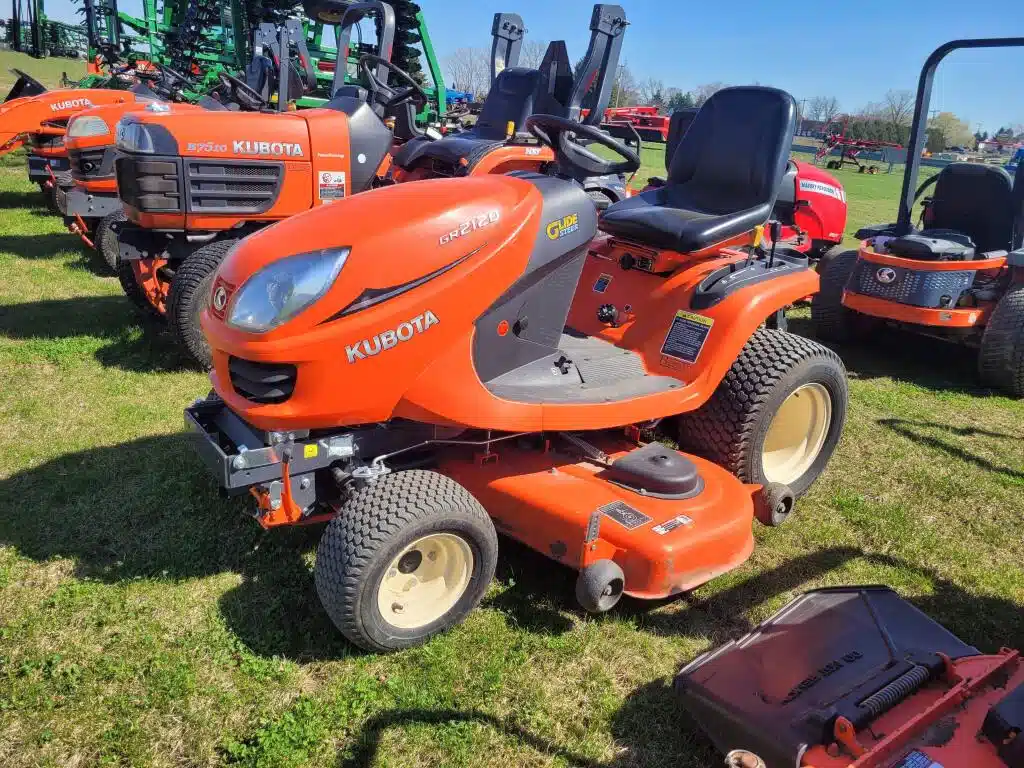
(390, 339)
(271, 148)
(70, 104)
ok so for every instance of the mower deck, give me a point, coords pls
(858, 678)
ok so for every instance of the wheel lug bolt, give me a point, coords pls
(397, 607)
(432, 555)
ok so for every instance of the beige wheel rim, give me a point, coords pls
(425, 580)
(797, 434)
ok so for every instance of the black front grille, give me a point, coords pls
(228, 186)
(88, 163)
(149, 184)
(263, 383)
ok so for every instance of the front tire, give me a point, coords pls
(105, 239)
(407, 558)
(1001, 358)
(190, 290)
(132, 289)
(778, 414)
(832, 321)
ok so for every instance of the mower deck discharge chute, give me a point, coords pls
(856, 677)
(418, 361)
(959, 278)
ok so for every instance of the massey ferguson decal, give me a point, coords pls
(267, 148)
(60, 106)
(821, 188)
(390, 339)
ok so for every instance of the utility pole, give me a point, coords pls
(800, 130)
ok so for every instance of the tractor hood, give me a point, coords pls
(22, 116)
(174, 130)
(398, 239)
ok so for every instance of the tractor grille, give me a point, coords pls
(919, 288)
(232, 187)
(263, 383)
(45, 141)
(149, 184)
(88, 163)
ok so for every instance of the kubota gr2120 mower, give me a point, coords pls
(959, 278)
(192, 188)
(856, 677)
(427, 361)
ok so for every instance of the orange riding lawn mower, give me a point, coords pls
(960, 277)
(192, 188)
(856, 677)
(498, 357)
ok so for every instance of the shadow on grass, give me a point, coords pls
(47, 245)
(149, 510)
(931, 363)
(912, 430)
(113, 320)
(33, 199)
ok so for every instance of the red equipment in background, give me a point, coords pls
(651, 125)
(849, 149)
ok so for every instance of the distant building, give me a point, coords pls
(1006, 147)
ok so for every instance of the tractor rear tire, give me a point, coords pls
(105, 239)
(380, 536)
(134, 292)
(832, 321)
(1001, 358)
(778, 414)
(189, 294)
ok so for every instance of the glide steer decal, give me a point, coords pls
(391, 338)
(267, 148)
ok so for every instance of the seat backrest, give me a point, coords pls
(510, 101)
(678, 125)
(734, 154)
(974, 199)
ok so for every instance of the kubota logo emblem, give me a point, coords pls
(70, 104)
(271, 148)
(220, 298)
(885, 276)
(390, 339)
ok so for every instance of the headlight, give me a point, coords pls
(81, 127)
(281, 290)
(133, 137)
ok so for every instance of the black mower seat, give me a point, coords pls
(976, 200)
(724, 178)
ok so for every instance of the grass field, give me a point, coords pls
(46, 71)
(144, 621)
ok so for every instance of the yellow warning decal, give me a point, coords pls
(310, 451)
(686, 336)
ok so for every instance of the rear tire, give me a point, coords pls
(134, 292)
(190, 290)
(389, 530)
(105, 239)
(778, 414)
(1001, 358)
(832, 321)
(60, 199)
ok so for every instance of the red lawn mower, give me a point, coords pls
(856, 677)
(960, 277)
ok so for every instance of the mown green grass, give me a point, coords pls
(146, 621)
(47, 71)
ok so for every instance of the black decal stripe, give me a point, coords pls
(372, 296)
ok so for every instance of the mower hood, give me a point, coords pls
(27, 115)
(779, 690)
(222, 134)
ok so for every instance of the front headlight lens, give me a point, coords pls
(281, 290)
(83, 127)
(133, 137)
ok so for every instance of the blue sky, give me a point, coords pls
(809, 49)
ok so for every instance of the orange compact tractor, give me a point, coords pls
(499, 141)
(35, 115)
(960, 277)
(856, 677)
(192, 188)
(425, 362)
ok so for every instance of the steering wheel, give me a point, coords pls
(573, 158)
(247, 96)
(413, 93)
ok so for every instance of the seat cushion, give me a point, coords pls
(451, 150)
(666, 217)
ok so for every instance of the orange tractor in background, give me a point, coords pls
(425, 363)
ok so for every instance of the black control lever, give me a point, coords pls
(775, 228)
